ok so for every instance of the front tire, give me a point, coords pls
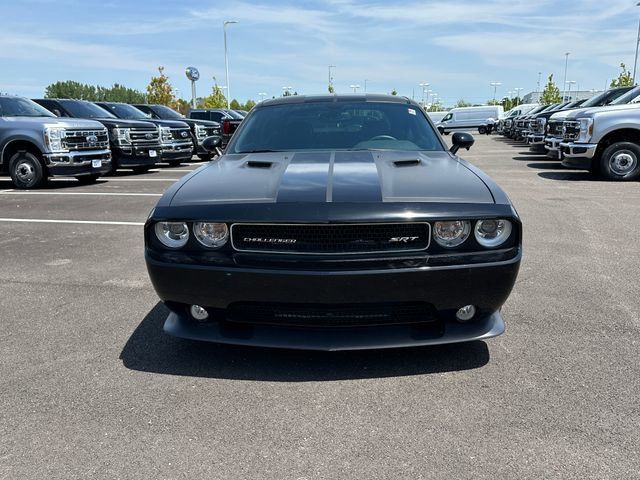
(174, 163)
(141, 170)
(620, 162)
(482, 130)
(205, 158)
(27, 171)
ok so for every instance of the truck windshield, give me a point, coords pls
(234, 115)
(605, 98)
(165, 113)
(629, 97)
(336, 126)
(127, 112)
(21, 107)
(79, 109)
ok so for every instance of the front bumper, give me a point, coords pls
(535, 139)
(78, 163)
(177, 151)
(137, 156)
(578, 155)
(445, 289)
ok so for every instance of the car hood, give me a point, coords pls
(204, 123)
(334, 176)
(168, 123)
(590, 112)
(122, 123)
(54, 121)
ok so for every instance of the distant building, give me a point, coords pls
(534, 97)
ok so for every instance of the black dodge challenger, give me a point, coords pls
(335, 222)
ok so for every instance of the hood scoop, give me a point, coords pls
(413, 162)
(258, 164)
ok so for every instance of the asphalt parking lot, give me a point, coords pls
(92, 388)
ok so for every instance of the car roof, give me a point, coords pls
(366, 97)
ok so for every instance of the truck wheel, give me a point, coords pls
(140, 170)
(482, 130)
(87, 179)
(27, 171)
(175, 163)
(621, 162)
(205, 158)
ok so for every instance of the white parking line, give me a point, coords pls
(113, 179)
(84, 222)
(171, 171)
(108, 194)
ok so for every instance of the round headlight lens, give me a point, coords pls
(212, 235)
(492, 233)
(451, 234)
(172, 234)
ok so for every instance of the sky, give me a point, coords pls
(458, 47)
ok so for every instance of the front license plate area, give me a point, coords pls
(96, 163)
(153, 153)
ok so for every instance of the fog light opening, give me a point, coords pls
(199, 313)
(466, 313)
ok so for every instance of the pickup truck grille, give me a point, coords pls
(181, 134)
(328, 239)
(555, 129)
(571, 130)
(537, 125)
(519, 123)
(346, 315)
(86, 139)
(145, 136)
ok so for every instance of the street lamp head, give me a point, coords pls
(227, 22)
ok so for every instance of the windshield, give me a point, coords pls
(80, 109)
(21, 107)
(122, 110)
(605, 97)
(234, 115)
(165, 113)
(336, 126)
(629, 97)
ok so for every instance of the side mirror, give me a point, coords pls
(461, 140)
(211, 143)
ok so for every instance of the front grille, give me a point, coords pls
(571, 130)
(144, 136)
(329, 315)
(327, 239)
(180, 134)
(555, 129)
(86, 139)
(520, 124)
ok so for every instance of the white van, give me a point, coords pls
(469, 118)
(436, 116)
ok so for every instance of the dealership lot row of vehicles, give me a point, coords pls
(62, 137)
(601, 134)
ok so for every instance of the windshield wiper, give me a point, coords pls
(259, 151)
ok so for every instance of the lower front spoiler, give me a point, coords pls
(335, 339)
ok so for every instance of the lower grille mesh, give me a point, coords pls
(318, 315)
(331, 238)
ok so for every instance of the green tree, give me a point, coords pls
(494, 102)
(624, 79)
(331, 89)
(71, 89)
(249, 105)
(463, 103)
(235, 105)
(181, 106)
(394, 92)
(217, 99)
(120, 93)
(160, 90)
(551, 92)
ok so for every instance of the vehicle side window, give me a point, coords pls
(198, 115)
(447, 117)
(215, 116)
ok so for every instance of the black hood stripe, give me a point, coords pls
(305, 178)
(356, 178)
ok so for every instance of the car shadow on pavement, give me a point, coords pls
(576, 175)
(149, 349)
(6, 184)
(546, 165)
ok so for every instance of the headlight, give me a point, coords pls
(586, 130)
(212, 235)
(492, 233)
(54, 139)
(165, 134)
(201, 132)
(451, 234)
(122, 136)
(172, 234)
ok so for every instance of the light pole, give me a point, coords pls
(566, 64)
(330, 76)
(226, 60)
(355, 87)
(286, 91)
(538, 88)
(518, 90)
(635, 62)
(424, 89)
(262, 95)
(365, 85)
(569, 82)
(495, 86)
